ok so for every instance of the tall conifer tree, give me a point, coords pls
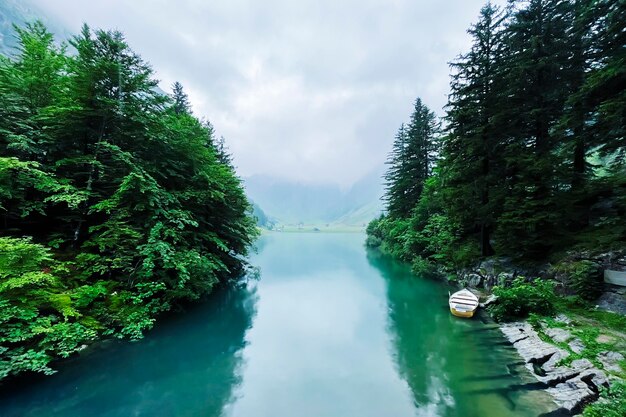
(471, 161)
(411, 161)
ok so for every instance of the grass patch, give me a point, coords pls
(612, 402)
(586, 325)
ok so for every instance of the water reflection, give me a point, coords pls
(417, 330)
(188, 366)
(319, 346)
(326, 332)
(454, 367)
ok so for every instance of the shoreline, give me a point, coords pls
(570, 386)
(576, 355)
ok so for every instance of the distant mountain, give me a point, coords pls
(293, 203)
(360, 216)
(262, 219)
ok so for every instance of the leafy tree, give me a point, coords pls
(115, 207)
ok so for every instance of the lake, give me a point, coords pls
(329, 330)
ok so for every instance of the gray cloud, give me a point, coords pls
(308, 90)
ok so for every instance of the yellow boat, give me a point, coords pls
(463, 303)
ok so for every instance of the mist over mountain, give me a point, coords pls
(276, 199)
(294, 202)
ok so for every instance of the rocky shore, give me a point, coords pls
(573, 371)
(572, 386)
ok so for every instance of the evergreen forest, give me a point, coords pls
(528, 163)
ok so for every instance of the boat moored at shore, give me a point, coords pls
(463, 303)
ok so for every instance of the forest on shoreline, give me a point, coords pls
(529, 161)
(526, 172)
(116, 202)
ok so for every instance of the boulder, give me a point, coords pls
(606, 339)
(576, 345)
(489, 282)
(573, 394)
(611, 360)
(474, 280)
(557, 334)
(570, 386)
(612, 301)
(504, 278)
(570, 395)
(516, 331)
(529, 345)
(553, 374)
(490, 300)
(562, 318)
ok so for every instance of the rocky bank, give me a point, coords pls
(545, 351)
(571, 386)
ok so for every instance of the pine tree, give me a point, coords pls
(421, 145)
(536, 90)
(28, 87)
(577, 137)
(181, 101)
(605, 86)
(411, 161)
(471, 163)
(395, 179)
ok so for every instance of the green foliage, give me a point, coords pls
(584, 277)
(411, 161)
(438, 238)
(423, 268)
(612, 404)
(138, 202)
(523, 298)
(471, 165)
(532, 162)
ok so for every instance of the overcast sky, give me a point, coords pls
(307, 90)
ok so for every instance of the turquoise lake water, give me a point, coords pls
(329, 330)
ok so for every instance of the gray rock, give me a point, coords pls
(474, 280)
(488, 266)
(610, 361)
(528, 344)
(556, 374)
(516, 331)
(570, 386)
(504, 278)
(570, 395)
(576, 392)
(581, 364)
(490, 300)
(612, 301)
(489, 281)
(576, 345)
(596, 378)
(558, 335)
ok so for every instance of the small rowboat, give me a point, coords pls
(463, 303)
